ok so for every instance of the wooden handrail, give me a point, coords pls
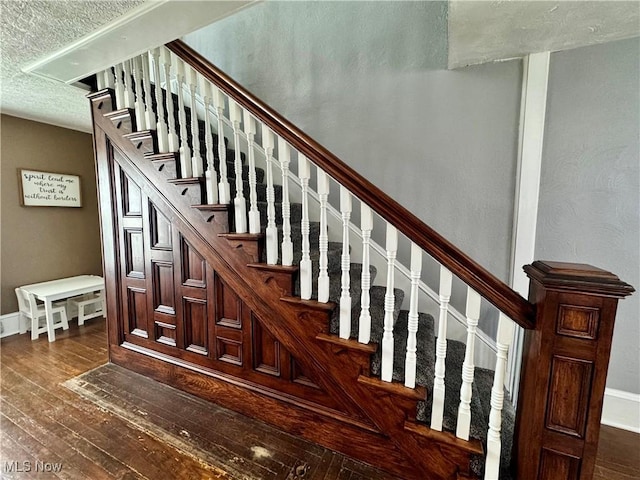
(486, 284)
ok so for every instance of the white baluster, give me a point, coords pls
(494, 443)
(437, 410)
(129, 98)
(149, 116)
(254, 213)
(410, 360)
(100, 80)
(268, 142)
(389, 304)
(304, 173)
(138, 104)
(185, 151)
(284, 155)
(174, 142)
(239, 202)
(366, 225)
(323, 276)
(224, 190)
(464, 410)
(162, 131)
(109, 79)
(197, 166)
(119, 86)
(211, 176)
(345, 295)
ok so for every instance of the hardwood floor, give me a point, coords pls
(43, 421)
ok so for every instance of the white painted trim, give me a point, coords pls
(533, 106)
(149, 25)
(533, 111)
(621, 410)
(9, 324)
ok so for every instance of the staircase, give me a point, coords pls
(218, 283)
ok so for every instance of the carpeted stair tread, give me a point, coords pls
(261, 191)
(483, 382)
(453, 382)
(296, 212)
(425, 350)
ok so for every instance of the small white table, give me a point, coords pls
(54, 290)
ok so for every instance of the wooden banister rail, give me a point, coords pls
(486, 284)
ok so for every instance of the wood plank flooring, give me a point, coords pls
(128, 427)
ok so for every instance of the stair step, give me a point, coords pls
(123, 119)
(453, 382)
(418, 393)
(145, 141)
(471, 446)
(191, 188)
(217, 214)
(167, 163)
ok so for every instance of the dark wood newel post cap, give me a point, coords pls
(578, 277)
(564, 372)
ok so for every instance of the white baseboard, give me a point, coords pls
(9, 324)
(621, 410)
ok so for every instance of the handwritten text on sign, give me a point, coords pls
(50, 189)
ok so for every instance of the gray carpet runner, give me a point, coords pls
(483, 379)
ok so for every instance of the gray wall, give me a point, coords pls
(368, 80)
(590, 189)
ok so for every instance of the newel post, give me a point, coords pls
(564, 369)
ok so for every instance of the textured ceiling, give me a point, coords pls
(30, 30)
(484, 31)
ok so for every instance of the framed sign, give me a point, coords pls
(48, 189)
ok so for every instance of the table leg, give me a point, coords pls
(48, 310)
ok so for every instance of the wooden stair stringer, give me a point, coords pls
(431, 459)
(293, 324)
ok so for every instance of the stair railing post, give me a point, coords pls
(254, 214)
(271, 233)
(224, 189)
(323, 274)
(162, 131)
(185, 151)
(284, 155)
(119, 86)
(304, 173)
(389, 304)
(437, 409)
(364, 323)
(412, 327)
(566, 357)
(211, 176)
(345, 295)
(138, 104)
(173, 141)
(494, 441)
(239, 202)
(129, 97)
(149, 115)
(197, 165)
(468, 366)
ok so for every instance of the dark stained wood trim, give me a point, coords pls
(293, 325)
(448, 438)
(419, 393)
(485, 283)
